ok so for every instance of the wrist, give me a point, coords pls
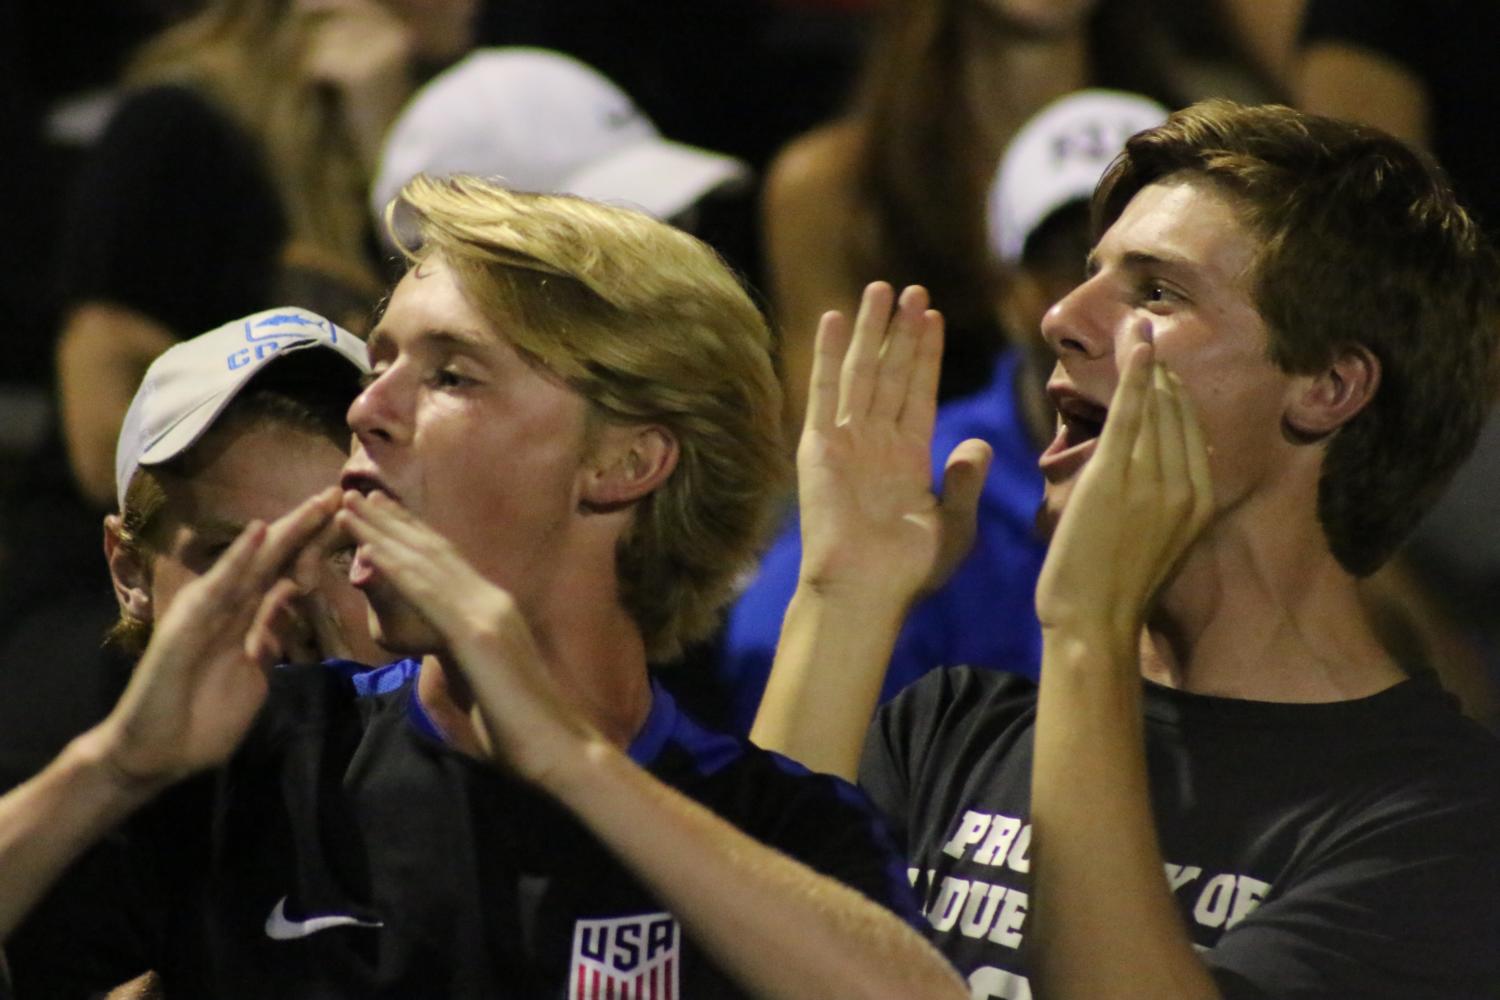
(867, 595)
(585, 772)
(95, 761)
(1088, 644)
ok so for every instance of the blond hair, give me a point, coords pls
(649, 326)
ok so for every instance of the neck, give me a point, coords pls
(1265, 615)
(588, 643)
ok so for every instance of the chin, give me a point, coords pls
(399, 630)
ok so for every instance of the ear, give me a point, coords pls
(130, 571)
(629, 461)
(1327, 400)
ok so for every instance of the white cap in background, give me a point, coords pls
(191, 383)
(1057, 157)
(541, 121)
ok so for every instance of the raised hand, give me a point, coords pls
(869, 516)
(1141, 500)
(520, 715)
(202, 678)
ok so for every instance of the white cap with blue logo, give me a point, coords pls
(191, 383)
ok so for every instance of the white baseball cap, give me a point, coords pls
(191, 383)
(544, 122)
(1057, 157)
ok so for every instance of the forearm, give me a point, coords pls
(1103, 921)
(50, 820)
(789, 931)
(830, 664)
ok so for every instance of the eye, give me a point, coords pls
(447, 378)
(1156, 293)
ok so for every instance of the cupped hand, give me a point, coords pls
(202, 680)
(1141, 500)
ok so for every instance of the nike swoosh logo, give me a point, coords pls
(279, 928)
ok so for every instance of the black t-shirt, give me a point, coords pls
(1316, 851)
(174, 215)
(348, 852)
(1449, 45)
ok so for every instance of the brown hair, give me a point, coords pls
(1362, 243)
(647, 324)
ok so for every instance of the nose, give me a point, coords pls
(376, 413)
(1078, 326)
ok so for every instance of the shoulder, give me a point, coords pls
(307, 698)
(811, 189)
(949, 716)
(816, 166)
(952, 701)
(820, 819)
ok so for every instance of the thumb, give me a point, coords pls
(963, 481)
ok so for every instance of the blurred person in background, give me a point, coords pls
(232, 176)
(545, 122)
(895, 189)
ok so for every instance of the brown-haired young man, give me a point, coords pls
(1283, 347)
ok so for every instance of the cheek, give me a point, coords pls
(168, 576)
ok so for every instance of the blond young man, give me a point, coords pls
(566, 451)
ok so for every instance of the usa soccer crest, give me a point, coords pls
(626, 958)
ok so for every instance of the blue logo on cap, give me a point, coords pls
(264, 343)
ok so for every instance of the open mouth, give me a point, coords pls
(361, 570)
(1080, 421)
(365, 484)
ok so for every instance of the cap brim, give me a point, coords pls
(658, 176)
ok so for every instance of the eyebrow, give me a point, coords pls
(212, 530)
(1139, 260)
(451, 340)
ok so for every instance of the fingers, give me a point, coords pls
(422, 566)
(1196, 448)
(1146, 454)
(1171, 439)
(376, 517)
(963, 477)
(289, 534)
(919, 410)
(829, 349)
(861, 363)
(270, 631)
(963, 482)
(1119, 441)
(903, 335)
